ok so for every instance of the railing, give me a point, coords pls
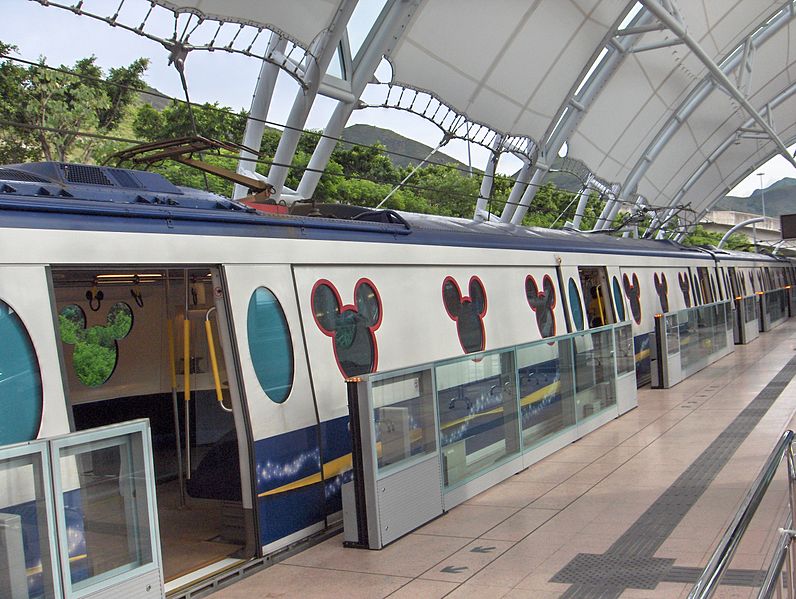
(710, 579)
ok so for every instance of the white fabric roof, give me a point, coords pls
(508, 64)
(650, 86)
(301, 20)
(514, 66)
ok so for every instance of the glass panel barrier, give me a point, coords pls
(403, 412)
(494, 413)
(78, 516)
(104, 494)
(625, 356)
(116, 529)
(750, 309)
(477, 406)
(776, 305)
(594, 373)
(694, 338)
(672, 334)
(547, 400)
(27, 527)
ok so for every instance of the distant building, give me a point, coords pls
(721, 221)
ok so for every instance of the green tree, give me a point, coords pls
(174, 121)
(16, 144)
(701, 236)
(60, 104)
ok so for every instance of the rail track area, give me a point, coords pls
(632, 510)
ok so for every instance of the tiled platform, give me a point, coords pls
(632, 510)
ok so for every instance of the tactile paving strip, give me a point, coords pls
(630, 563)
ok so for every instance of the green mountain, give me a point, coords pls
(406, 151)
(780, 199)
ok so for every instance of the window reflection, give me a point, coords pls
(403, 409)
(477, 404)
(545, 390)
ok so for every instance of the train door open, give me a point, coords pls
(299, 461)
(153, 343)
(596, 295)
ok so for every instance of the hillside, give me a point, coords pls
(780, 199)
(369, 135)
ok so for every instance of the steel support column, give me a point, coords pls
(315, 70)
(395, 15)
(261, 102)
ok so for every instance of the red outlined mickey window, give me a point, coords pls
(351, 327)
(467, 311)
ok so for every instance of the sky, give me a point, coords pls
(62, 38)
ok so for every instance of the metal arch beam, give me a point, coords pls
(394, 16)
(698, 95)
(326, 47)
(718, 74)
(616, 44)
(727, 143)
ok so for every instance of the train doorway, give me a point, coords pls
(596, 295)
(149, 343)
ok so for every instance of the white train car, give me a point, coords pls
(109, 276)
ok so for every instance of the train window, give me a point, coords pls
(697, 291)
(706, 288)
(574, 305)
(619, 300)
(20, 380)
(270, 345)
(96, 350)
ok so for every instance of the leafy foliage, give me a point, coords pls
(57, 105)
(701, 236)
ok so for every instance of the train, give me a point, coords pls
(233, 330)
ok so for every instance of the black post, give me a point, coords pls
(357, 466)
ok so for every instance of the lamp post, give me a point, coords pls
(762, 193)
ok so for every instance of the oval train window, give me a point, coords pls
(270, 345)
(619, 301)
(574, 305)
(20, 381)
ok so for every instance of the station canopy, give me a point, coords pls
(672, 101)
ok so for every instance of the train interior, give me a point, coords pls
(126, 346)
(597, 295)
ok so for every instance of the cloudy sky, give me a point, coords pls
(62, 38)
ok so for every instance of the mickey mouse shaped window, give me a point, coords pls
(633, 293)
(352, 327)
(542, 302)
(96, 351)
(467, 312)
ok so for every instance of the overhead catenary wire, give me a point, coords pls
(155, 93)
(324, 172)
(411, 186)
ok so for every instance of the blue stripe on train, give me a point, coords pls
(293, 456)
(282, 460)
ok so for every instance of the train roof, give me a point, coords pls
(55, 195)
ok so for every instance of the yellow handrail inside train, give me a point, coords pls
(214, 362)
